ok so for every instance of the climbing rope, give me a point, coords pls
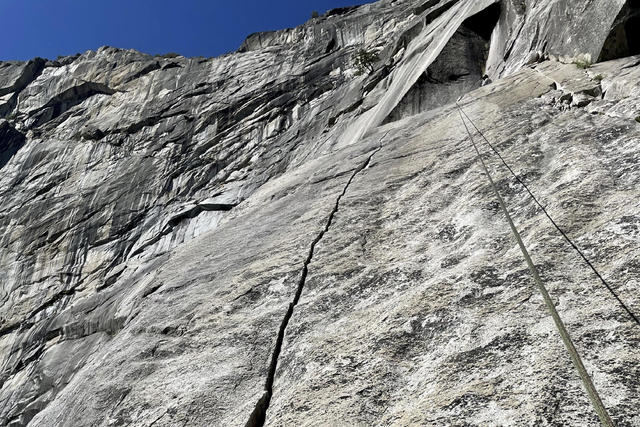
(566, 338)
(560, 230)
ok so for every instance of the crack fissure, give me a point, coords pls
(258, 416)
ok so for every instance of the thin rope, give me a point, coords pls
(560, 230)
(564, 334)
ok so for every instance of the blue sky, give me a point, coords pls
(48, 28)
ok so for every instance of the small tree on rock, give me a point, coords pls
(365, 61)
(315, 14)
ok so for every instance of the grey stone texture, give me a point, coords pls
(267, 236)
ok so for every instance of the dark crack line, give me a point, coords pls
(259, 414)
(560, 230)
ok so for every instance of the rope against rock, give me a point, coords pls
(564, 334)
(560, 230)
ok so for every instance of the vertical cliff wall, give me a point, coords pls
(269, 237)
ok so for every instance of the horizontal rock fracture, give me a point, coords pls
(596, 401)
(258, 416)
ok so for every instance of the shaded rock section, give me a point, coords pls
(158, 212)
(458, 70)
(624, 39)
(10, 142)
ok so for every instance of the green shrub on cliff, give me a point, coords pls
(582, 63)
(365, 61)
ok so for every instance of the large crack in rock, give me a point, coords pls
(259, 414)
(459, 68)
(110, 149)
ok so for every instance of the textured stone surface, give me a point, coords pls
(160, 215)
(560, 28)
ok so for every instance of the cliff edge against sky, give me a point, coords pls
(269, 237)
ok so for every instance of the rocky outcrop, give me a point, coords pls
(14, 77)
(624, 37)
(10, 142)
(268, 237)
(558, 28)
(458, 70)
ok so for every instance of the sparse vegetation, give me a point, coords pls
(365, 61)
(315, 14)
(582, 63)
(598, 78)
(638, 119)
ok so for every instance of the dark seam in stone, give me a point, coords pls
(259, 414)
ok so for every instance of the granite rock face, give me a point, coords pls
(269, 237)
